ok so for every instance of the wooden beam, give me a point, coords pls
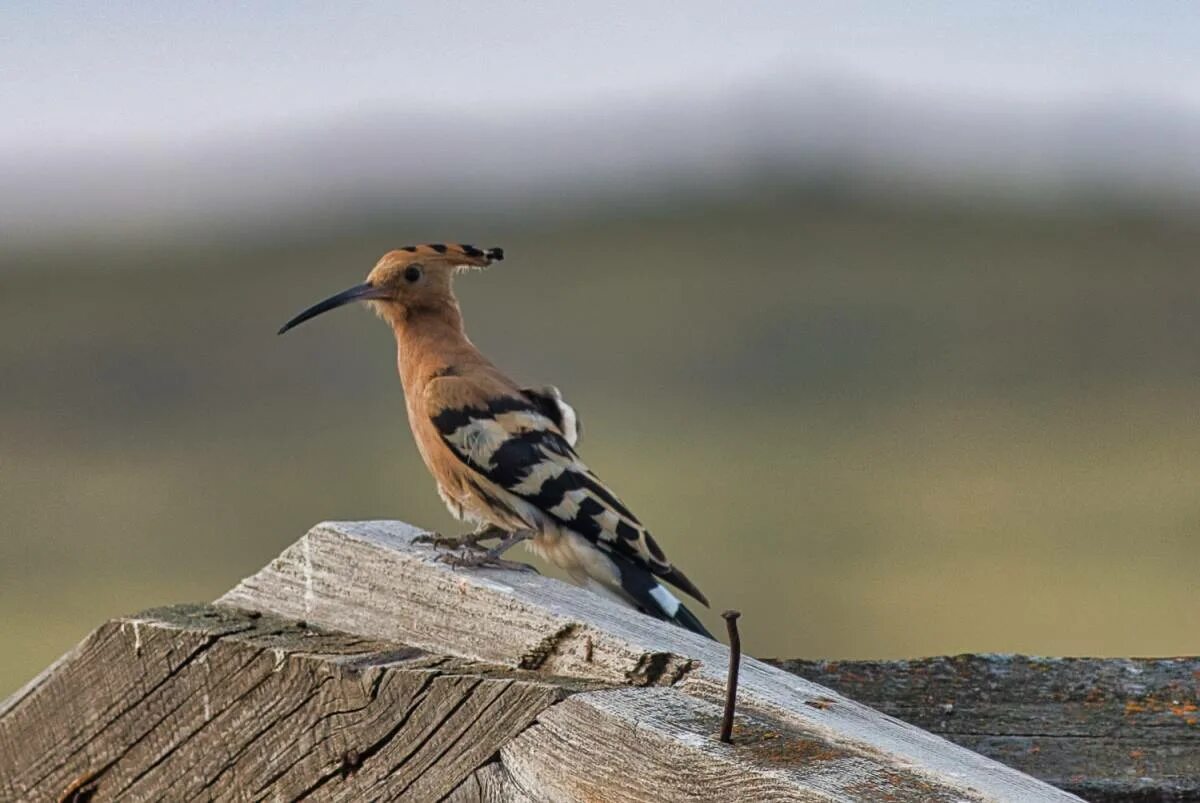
(372, 580)
(636, 744)
(194, 702)
(1107, 729)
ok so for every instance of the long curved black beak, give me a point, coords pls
(360, 292)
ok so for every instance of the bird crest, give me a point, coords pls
(458, 254)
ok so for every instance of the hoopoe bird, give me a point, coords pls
(503, 456)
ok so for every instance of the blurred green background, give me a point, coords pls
(874, 430)
(881, 416)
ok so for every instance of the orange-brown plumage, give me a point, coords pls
(502, 455)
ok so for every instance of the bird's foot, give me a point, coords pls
(465, 541)
(483, 559)
(490, 558)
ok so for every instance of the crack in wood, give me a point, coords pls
(468, 693)
(358, 758)
(248, 743)
(659, 669)
(184, 701)
(416, 748)
(128, 706)
(366, 753)
(82, 789)
(536, 657)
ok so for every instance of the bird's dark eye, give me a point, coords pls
(412, 273)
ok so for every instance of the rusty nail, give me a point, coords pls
(731, 680)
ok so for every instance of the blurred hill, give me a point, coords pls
(831, 135)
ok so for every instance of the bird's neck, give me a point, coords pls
(431, 342)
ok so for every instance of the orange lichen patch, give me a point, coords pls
(1136, 707)
(781, 748)
(1151, 705)
(778, 745)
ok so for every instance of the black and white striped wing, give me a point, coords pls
(512, 442)
(549, 400)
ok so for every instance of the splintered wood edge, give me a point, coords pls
(371, 579)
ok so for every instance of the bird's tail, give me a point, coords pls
(688, 621)
(651, 597)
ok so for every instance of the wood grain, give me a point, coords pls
(194, 702)
(371, 579)
(491, 783)
(658, 743)
(1107, 729)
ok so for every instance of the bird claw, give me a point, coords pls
(465, 541)
(484, 559)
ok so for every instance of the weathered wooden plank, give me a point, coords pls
(1108, 729)
(636, 744)
(370, 578)
(198, 702)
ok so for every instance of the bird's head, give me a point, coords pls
(408, 278)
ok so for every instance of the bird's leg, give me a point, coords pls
(491, 557)
(467, 540)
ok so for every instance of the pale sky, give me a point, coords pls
(121, 74)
